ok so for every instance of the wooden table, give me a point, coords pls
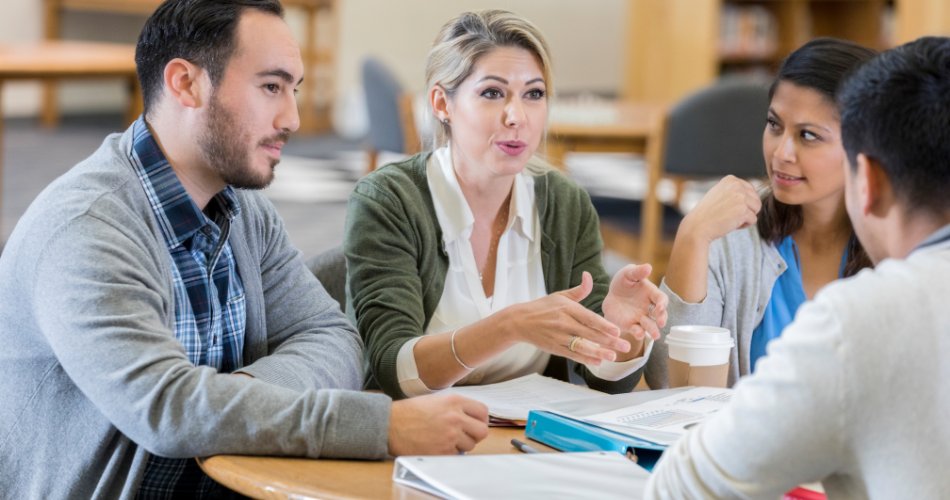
(56, 60)
(629, 127)
(313, 54)
(275, 477)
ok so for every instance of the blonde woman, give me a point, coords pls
(473, 263)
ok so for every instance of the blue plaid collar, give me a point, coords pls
(177, 213)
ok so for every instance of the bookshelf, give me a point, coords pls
(677, 46)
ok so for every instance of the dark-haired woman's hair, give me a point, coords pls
(821, 65)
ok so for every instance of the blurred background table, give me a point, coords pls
(319, 59)
(616, 126)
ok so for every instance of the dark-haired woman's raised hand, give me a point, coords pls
(731, 204)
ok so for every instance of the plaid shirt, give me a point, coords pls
(210, 310)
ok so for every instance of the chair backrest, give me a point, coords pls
(383, 94)
(330, 268)
(718, 131)
(713, 132)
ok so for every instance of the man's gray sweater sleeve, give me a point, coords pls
(303, 324)
(108, 326)
(300, 322)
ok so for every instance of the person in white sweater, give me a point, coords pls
(854, 392)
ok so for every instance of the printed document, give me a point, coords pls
(667, 418)
(513, 399)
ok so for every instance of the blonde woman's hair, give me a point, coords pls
(464, 40)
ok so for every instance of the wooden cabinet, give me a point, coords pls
(677, 46)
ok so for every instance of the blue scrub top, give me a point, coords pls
(788, 294)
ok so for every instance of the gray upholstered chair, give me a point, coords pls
(391, 123)
(714, 132)
(717, 131)
(330, 268)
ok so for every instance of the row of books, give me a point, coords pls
(749, 31)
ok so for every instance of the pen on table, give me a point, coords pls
(523, 447)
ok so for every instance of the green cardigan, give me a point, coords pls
(396, 262)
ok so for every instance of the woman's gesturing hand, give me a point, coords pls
(635, 305)
(552, 322)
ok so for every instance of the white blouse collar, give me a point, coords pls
(454, 214)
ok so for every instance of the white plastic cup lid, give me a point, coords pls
(700, 335)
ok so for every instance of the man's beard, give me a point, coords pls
(224, 147)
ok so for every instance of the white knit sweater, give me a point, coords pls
(853, 394)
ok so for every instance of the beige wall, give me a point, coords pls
(20, 20)
(586, 43)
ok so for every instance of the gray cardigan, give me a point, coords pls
(92, 378)
(742, 271)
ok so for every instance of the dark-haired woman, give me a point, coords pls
(746, 261)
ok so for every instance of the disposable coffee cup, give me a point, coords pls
(699, 355)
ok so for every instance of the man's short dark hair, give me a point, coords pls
(896, 110)
(198, 31)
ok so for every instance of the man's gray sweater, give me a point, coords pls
(92, 378)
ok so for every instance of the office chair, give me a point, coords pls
(330, 268)
(391, 122)
(714, 132)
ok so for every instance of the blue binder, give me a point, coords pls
(567, 434)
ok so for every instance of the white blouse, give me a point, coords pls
(518, 278)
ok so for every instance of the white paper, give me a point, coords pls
(528, 476)
(671, 415)
(513, 399)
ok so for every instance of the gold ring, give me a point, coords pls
(573, 345)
